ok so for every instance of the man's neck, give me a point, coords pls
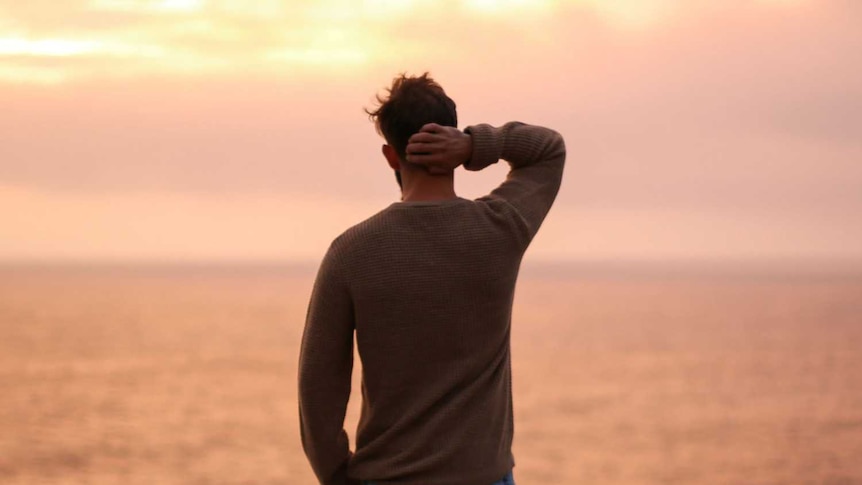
(428, 187)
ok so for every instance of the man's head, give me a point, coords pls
(412, 102)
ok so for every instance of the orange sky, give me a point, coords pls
(233, 130)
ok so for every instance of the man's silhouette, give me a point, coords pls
(427, 286)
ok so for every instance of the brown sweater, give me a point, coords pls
(428, 289)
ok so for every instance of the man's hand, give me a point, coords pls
(439, 148)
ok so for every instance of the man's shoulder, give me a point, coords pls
(486, 217)
(363, 231)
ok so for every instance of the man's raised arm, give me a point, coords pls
(536, 156)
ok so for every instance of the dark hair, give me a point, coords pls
(412, 102)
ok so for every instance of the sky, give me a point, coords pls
(227, 130)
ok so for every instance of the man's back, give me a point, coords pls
(428, 287)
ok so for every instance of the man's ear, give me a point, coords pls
(391, 157)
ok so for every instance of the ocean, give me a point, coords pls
(187, 375)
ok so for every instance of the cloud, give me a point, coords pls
(700, 109)
(712, 79)
(271, 36)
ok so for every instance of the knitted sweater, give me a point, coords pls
(427, 287)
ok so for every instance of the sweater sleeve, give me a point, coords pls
(536, 156)
(325, 367)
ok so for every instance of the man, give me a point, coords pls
(427, 285)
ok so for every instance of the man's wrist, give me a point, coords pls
(466, 153)
(484, 146)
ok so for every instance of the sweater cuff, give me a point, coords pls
(486, 146)
(341, 478)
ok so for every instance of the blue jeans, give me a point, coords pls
(507, 480)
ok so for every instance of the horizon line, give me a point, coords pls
(539, 265)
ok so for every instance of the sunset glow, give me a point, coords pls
(182, 36)
(202, 238)
(45, 47)
(627, 13)
(210, 128)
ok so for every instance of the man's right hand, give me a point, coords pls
(439, 148)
